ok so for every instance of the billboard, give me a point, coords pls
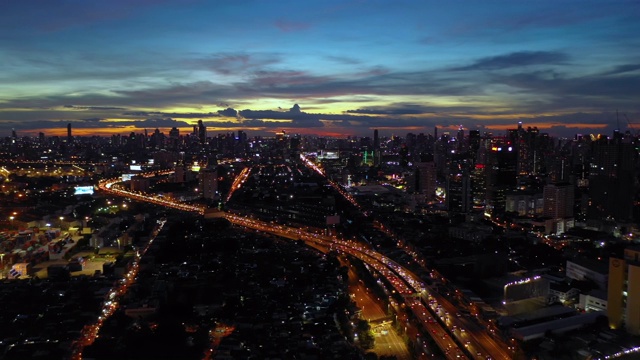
(524, 289)
(135, 168)
(83, 190)
(127, 177)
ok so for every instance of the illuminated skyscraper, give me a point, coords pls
(623, 302)
(209, 183)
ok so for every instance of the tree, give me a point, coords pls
(365, 335)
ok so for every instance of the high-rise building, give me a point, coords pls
(478, 186)
(460, 138)
(376, 140)
(69, 137)
(459, 195)
(623, 302)
(202, 132)
(209, 183)
(376, 148)
(501, 175)
(174, 138)
(611, 179)
(558, 200)
(425, 176)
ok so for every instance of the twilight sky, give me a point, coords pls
(564, 66)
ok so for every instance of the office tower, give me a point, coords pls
(501, 175)
(611, 180)
(69, 138)
(460, 138)
(425, 175)
(376, 140)
(478, 186)
(174, 138)
(459, 197)
(376, 148)
(202, 132)
(623, 301)
(558, 200)
(209, 183)
(474, 144)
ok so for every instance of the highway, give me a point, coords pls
(456, 337)
(469, 335)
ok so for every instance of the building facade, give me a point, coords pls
(623, 303)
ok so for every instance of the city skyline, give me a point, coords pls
(327, 68)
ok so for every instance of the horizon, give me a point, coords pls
(330, 68)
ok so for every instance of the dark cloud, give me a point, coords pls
(159, 123)
(75, 107)
(406, 109)
(607, 88)
(517, 59)
(298, 117)
(170, 115)
(136, 113)
(93, 119)
(228, 112)
(623, 69)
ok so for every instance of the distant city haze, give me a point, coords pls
(328, 68)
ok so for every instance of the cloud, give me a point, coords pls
(344, 60)
(399, 109)
(290, 26)
(228, 112)
(517, 59)
(93, 119)
(171, 115)
(92, 107)
(159, 123)
(295, 114)
(236, 63)
(623, 69)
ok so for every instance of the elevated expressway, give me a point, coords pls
(455, 336)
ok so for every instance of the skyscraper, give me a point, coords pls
(558, 200)
(611, 180)
(459, 197)
(69, 137)
(202, 132)
(623, 301)
(426, 179)
(209, 183)
(376, 148)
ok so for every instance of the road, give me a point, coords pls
(388, 341)
(446, 330)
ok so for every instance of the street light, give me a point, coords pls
(61, 218)
(11, 218)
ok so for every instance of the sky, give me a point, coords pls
(327, 67)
